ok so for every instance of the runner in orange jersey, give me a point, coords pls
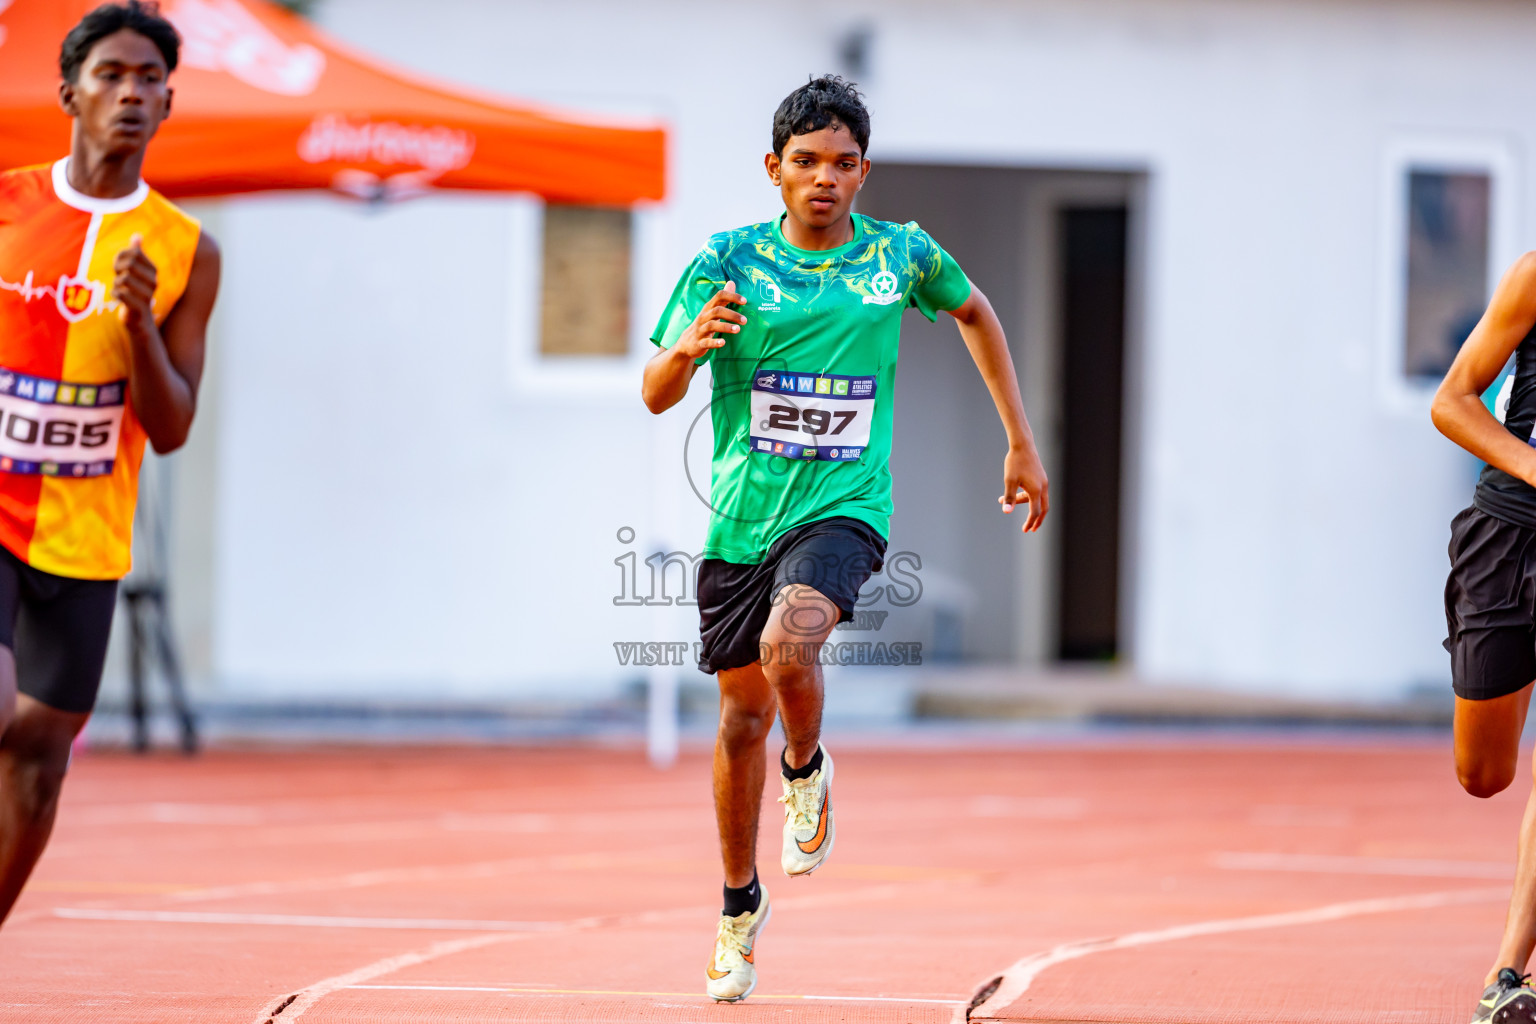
(105, 293)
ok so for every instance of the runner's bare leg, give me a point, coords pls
(801, 620)
(34, 755)
(1487, 737)
(747, 710)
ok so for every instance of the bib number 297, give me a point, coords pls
(812, 416)
(811, 421)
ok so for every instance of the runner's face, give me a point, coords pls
(120, 96)
(819, 175)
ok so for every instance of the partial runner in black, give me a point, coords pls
(1490, 604)
(1490, 596)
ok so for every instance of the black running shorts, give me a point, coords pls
(1490, 605)
(835, 556)
(58, 629)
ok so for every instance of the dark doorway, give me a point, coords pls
(1093, 305)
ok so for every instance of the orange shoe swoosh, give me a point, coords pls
(748, 955)
(821, 828)
(715, 975)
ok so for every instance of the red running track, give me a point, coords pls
(1137, 881)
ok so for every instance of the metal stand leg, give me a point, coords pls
(137, 702)
(150, 636)
(171, 665)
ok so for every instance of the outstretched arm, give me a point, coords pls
(1023, 476)
(1458, 410)
(167, 360)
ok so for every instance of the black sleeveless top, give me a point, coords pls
(1498, 493)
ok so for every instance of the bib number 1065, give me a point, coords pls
(58, 429)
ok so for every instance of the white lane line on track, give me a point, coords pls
(1345, 865)
(1016, 979)
(306, 920)
(294, 1006)
(430, 873)
(671, 995)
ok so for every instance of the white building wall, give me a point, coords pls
(395, 511)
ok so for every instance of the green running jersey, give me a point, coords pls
(802, 402)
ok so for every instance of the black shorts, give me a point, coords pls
(1490, 605)
(58, 629)
(835, 556)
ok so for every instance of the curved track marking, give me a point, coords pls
(527, 991)
(291, 1007)
(288, 1008)
(1015, 980)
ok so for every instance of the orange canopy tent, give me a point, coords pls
(264, 101)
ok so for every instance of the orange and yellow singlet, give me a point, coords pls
(70, 444)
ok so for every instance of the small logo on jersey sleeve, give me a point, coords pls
(885, 289)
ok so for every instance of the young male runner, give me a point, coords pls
(105, 292)
(1490, 598)
(801, 484)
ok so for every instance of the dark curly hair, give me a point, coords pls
(141, 16)
(827, 100)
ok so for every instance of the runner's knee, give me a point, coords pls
(744, 723)
(791, 665)
(1484, 777)
(32, 775)
(34, 751)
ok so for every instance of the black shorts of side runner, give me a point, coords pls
(1490, 605)
(834, 556)
(58, 628)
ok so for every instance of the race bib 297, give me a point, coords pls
(54, 428)
(820, 416)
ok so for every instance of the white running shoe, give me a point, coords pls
(808, 826)
(732, 974)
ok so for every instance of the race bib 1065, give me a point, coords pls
(52, 428)
(820, 416)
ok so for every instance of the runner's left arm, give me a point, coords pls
(167, 359)
(1023, 476)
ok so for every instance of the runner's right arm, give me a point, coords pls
(671, 370)
(1458, 410)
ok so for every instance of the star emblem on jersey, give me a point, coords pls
(884, 289)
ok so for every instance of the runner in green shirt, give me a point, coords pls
(804, 375)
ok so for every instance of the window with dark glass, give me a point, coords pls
(1447, 287)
